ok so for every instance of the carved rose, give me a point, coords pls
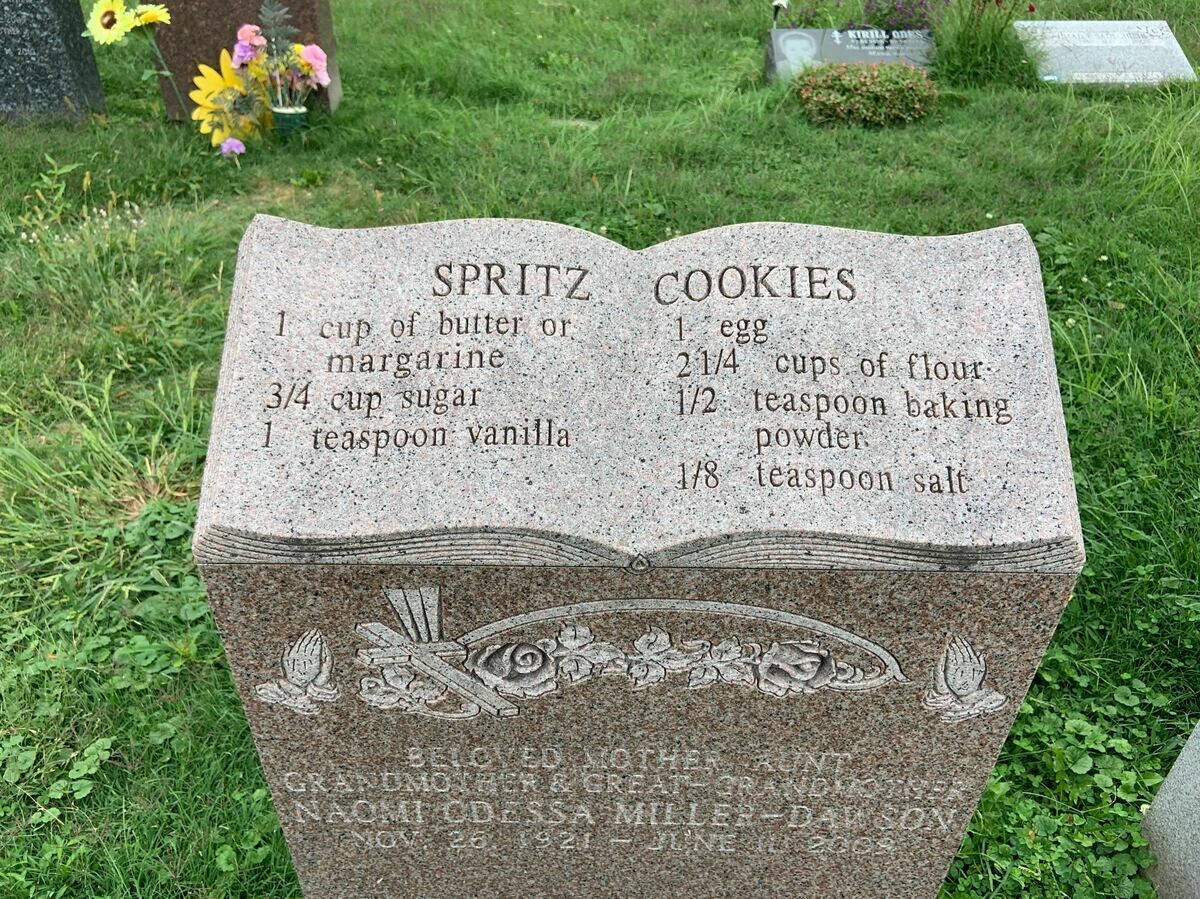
(516, 669)
(789, 668)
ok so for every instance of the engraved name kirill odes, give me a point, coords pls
(792, 50)
(717, 569)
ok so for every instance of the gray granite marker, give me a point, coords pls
(547, 567)
(792, 50)
(47, 69)
(1097, 52)
(1172, 825)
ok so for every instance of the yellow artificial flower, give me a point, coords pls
(301, 63)
(152, 14)
(109, 21)
(216, 96)
(257, 70)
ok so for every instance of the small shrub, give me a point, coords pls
(801, 17)
(901, 15)
(977, 45)
(889, 94)
(847, 15)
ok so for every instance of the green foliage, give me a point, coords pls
(865, 94)
(976, 45)
(1160, 159)
(276, 22)
(126, 767)
(902, 15)
(1076, 758)
(95, 674)
(48, 205)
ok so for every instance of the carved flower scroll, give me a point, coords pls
(422, 672)
(532, 668)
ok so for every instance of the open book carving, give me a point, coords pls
(515, 393)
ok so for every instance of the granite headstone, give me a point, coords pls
(1172, 825)
(201, 29)
(792, 50)
(1099, 52)
(47, 68)
(546, 567)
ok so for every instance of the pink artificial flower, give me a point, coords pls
(243, 53)
(252, 35)
(315, 57)
(231, 146)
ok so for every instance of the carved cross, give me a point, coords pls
(421, 646)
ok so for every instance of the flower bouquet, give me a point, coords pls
(263, 84)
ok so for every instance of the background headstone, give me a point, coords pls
(47, 68)
(546, 567)
(1172, 825)
(1098, 52)
(201, 29)
(792, 50)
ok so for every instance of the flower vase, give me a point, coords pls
(290, 120)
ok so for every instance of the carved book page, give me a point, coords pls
(503, 392)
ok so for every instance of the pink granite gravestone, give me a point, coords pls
(549, 568)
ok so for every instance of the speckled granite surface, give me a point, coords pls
(733, 589)
(1172, 825)
(417, 483)
(47, 68)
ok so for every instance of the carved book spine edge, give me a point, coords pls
(223, 402)
(525, 548)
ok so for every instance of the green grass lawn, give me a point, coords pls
(126, 768)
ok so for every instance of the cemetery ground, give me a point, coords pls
(126, 768)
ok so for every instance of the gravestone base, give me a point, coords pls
(1172, 827)
(47, 68)
(696, 777)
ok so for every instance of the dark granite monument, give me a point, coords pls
(201, 29)
(550, 568)
(792, 50)
(47, 68)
